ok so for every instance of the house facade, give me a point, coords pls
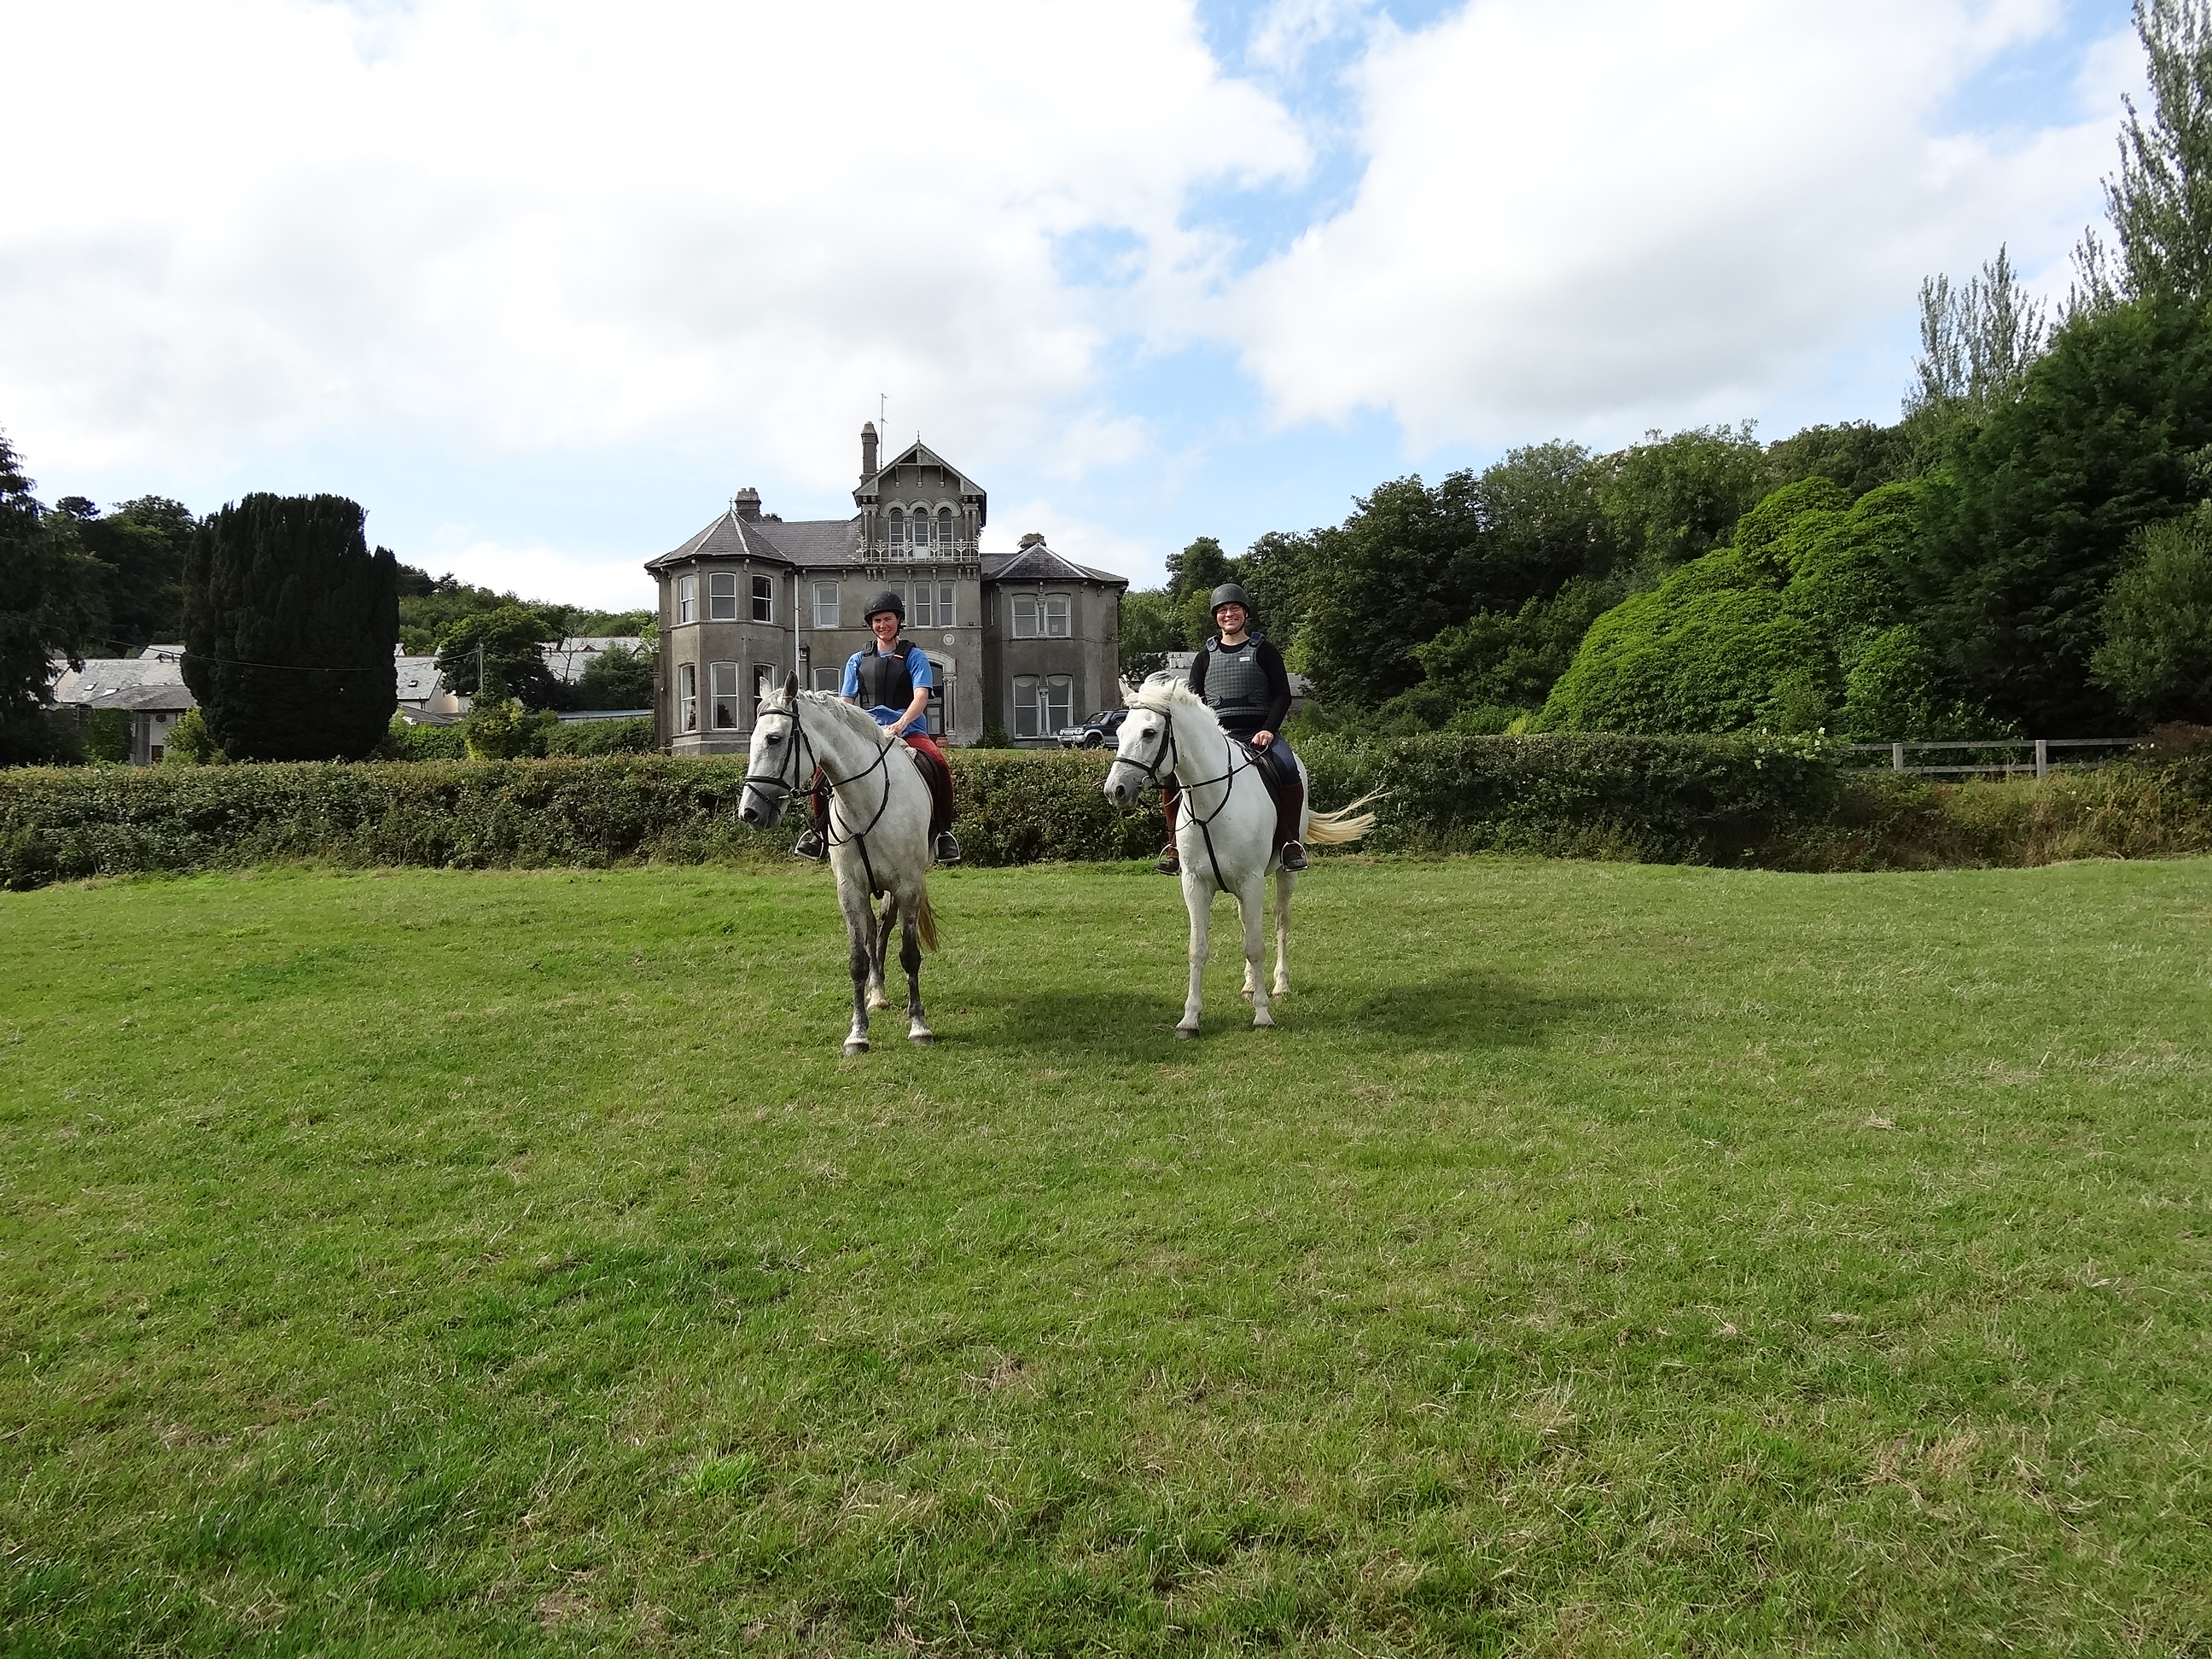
(1023, 642)
(150, 687)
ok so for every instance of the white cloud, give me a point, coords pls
(715, 226)
(1579, 212)
(537, 571)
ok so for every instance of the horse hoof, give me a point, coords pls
(857, 1046)
(925, 1038)
(1262, 1023)
(1185, 1031)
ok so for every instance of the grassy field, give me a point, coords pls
(1598, 1260)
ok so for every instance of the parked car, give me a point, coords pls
(1102, 730)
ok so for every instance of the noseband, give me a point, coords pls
(775, 781)
(1169, 755)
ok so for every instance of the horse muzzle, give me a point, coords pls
(762, 806)
(1121, 786)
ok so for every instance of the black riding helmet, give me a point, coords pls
(887, 600)
(1231, 594)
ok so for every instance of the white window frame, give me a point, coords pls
(944, 606)
(1026, 705)
(764, 596)
(721, 591)
(825, 612)
(1027, 613)
(1058, 612)
(766, 676)
(921, 605)
(1056, 699)
(722, 688)
(687, 600)
(829, 679)
(687, 698)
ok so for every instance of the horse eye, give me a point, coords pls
(775, 738)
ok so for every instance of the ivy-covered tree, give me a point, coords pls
(289, 625)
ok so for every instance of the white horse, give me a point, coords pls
(1224, 832)
(878, 833)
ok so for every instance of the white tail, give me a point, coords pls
(1344, 825)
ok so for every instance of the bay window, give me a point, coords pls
(764, 598)
(687, 698)
(722, 682)
(687, 598)
(722, 596)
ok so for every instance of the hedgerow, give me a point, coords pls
(1780, 805)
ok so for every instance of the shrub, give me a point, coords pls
(190, 743)
(426, 743)
(583, 738)
(505, 730)
(2157, 651)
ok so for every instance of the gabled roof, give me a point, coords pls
(416, 676)
(569, 659)
(808, 542)
(1039, 563)
(918, 454)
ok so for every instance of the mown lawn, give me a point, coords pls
(1599, 1258)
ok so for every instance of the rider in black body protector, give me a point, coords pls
(1241, 677)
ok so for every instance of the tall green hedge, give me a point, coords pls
(1708, 801)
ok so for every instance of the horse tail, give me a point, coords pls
(1344, 825)
(925, 920)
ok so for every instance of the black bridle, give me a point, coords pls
(1171, 756)
(787, 787)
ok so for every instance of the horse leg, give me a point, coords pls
(1250, 904)
(917, 1024)
(1198, 898)
(1285, 880)
(878, 957)
(859, 929)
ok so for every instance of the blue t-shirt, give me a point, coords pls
(917, 670)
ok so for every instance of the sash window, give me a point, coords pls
(722, 679)
(825, 607)
(722, 596)
(687, 598)
(764, 598)
(687, 698)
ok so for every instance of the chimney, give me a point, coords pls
(867, 451)
(747, 504)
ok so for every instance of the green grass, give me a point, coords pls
(1599, 1258)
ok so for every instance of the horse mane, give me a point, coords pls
(1163, 694)
(779, 702)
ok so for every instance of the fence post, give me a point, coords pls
(2042, 759)
(1897, 757)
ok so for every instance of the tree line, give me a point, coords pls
(289, 620)
(2027, 550)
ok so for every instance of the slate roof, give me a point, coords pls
(417, 677)
(103, 677)
(1039, 563)
(153, 696)
(804, 543)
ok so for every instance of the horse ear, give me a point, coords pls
(790, 686)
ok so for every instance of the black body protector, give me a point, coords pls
(1236, 687)
(886, 680)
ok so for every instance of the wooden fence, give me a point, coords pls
(2039, 765)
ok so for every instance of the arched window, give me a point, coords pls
(896, 535)
(920, 523)
(944, 535)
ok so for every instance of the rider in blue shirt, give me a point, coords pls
(891, 679)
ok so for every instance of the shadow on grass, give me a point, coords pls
(1467, 1012)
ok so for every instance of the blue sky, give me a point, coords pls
(543, 302)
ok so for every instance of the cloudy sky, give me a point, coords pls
(541, 283)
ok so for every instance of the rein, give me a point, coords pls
(830, 838)
(1171, 753)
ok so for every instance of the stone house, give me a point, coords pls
(1026, 642)
(150, 687)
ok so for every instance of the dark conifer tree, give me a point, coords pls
(289, 622)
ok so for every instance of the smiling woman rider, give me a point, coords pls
(1241, 677)
(891, 680)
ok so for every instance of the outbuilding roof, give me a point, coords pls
(1039, 563)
